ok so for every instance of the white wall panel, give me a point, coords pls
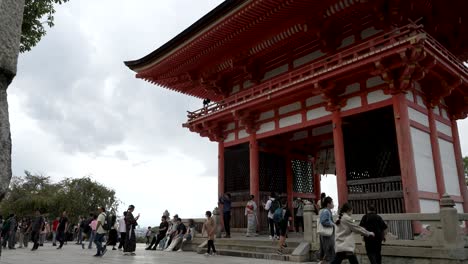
(317, 113)
(314, 100)
(444, 114)
(420, 101)
(369, 32)
(352, 88)
(374, 81)
(377, 96)
(267, 115)
(265, 127)
(235, 89)
(300, 135)
(289, 108)
(308, 58)
(423, 160)
(322, 130)
(417, 116)
(352, 102)
(276, 72)
(242, 134)
(290, 120)
(230, 137)
(449, 167)
(459, 207)
(443, 128)
(429, 206)
(230, 126)
(409, 95)
(347, 41)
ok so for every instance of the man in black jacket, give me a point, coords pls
(373, 222)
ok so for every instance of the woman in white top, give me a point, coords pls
(344, 238)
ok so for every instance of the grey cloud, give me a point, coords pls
(121, 155)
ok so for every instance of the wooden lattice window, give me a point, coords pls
(302, 176)
(272, 170)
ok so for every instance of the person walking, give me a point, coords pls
(55, 224)
(210, 228)
(374, 223)
(225, 200)
(44, 232)
(100, 232)
(122, 230)
(299, 214)
(113, 235)
(327, 236)
(271, 205)
(12, 231)
(344, 241)
(283, 227)
(36, 228)
(251, 213)
(93, 226)
(61, 229)
(130, 224)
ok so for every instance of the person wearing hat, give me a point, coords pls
(130, 224)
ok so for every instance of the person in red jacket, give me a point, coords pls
(54, 231)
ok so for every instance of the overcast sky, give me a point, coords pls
(76, 110)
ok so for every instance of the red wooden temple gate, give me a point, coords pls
(302, 88)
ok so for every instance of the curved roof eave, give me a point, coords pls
(222, 9)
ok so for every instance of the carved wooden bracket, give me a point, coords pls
(331, 94)
(434, 94)
(248, 120)
(213, 131)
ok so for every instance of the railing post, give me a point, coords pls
(449, 223)
(217, 220)
(309, 235)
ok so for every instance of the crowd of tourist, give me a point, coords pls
(104, 229)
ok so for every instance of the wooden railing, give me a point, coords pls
(367, 52)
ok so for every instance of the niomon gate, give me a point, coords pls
(304, 88)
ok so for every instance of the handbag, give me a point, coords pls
(322, 230)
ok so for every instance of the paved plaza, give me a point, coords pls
(73, 254)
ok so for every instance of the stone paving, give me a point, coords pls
(73, 254)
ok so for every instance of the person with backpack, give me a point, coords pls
(283, 225)
(100, 232)
(271, 206)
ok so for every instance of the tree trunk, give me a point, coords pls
(11, 17)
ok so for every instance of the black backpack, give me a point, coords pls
(274, 205)
(108, 223)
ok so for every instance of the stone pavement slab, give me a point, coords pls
(73, 254)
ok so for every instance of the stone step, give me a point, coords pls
(235, 241)
(250, 254)
(250, 248)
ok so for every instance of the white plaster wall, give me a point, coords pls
(247, 84)
(267, 114)
(417, 86)
(377, 96)
(352, 102)
(290, 120)
(317, 113)
(352, 88)
(289, 108)
(449, 167)
(322, 130)
(275, 72)
(417, 116)
(374, 81)
(409, 96)
(347, 41)
(429, 206)
(230, 137)
(459, 207)
(230, 126)
(265, 127)
(443, 128)
(307, 58)
(444, 114)
(235, 89)
(436, 110)
(423, 160)
(420, 101)
(369, 32)
(242, 134)
(314, 100)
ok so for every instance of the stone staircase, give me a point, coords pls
(251, 248)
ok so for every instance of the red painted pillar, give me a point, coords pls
(405, 150)
(459, 162)
(254, 176)
(317, 180)
(340, 163)
(439, 173)
(220, 168)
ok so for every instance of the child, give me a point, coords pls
(210, 227)
(283, 227)
(148, 235)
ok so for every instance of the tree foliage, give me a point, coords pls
(38, 14)
(76, 196)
